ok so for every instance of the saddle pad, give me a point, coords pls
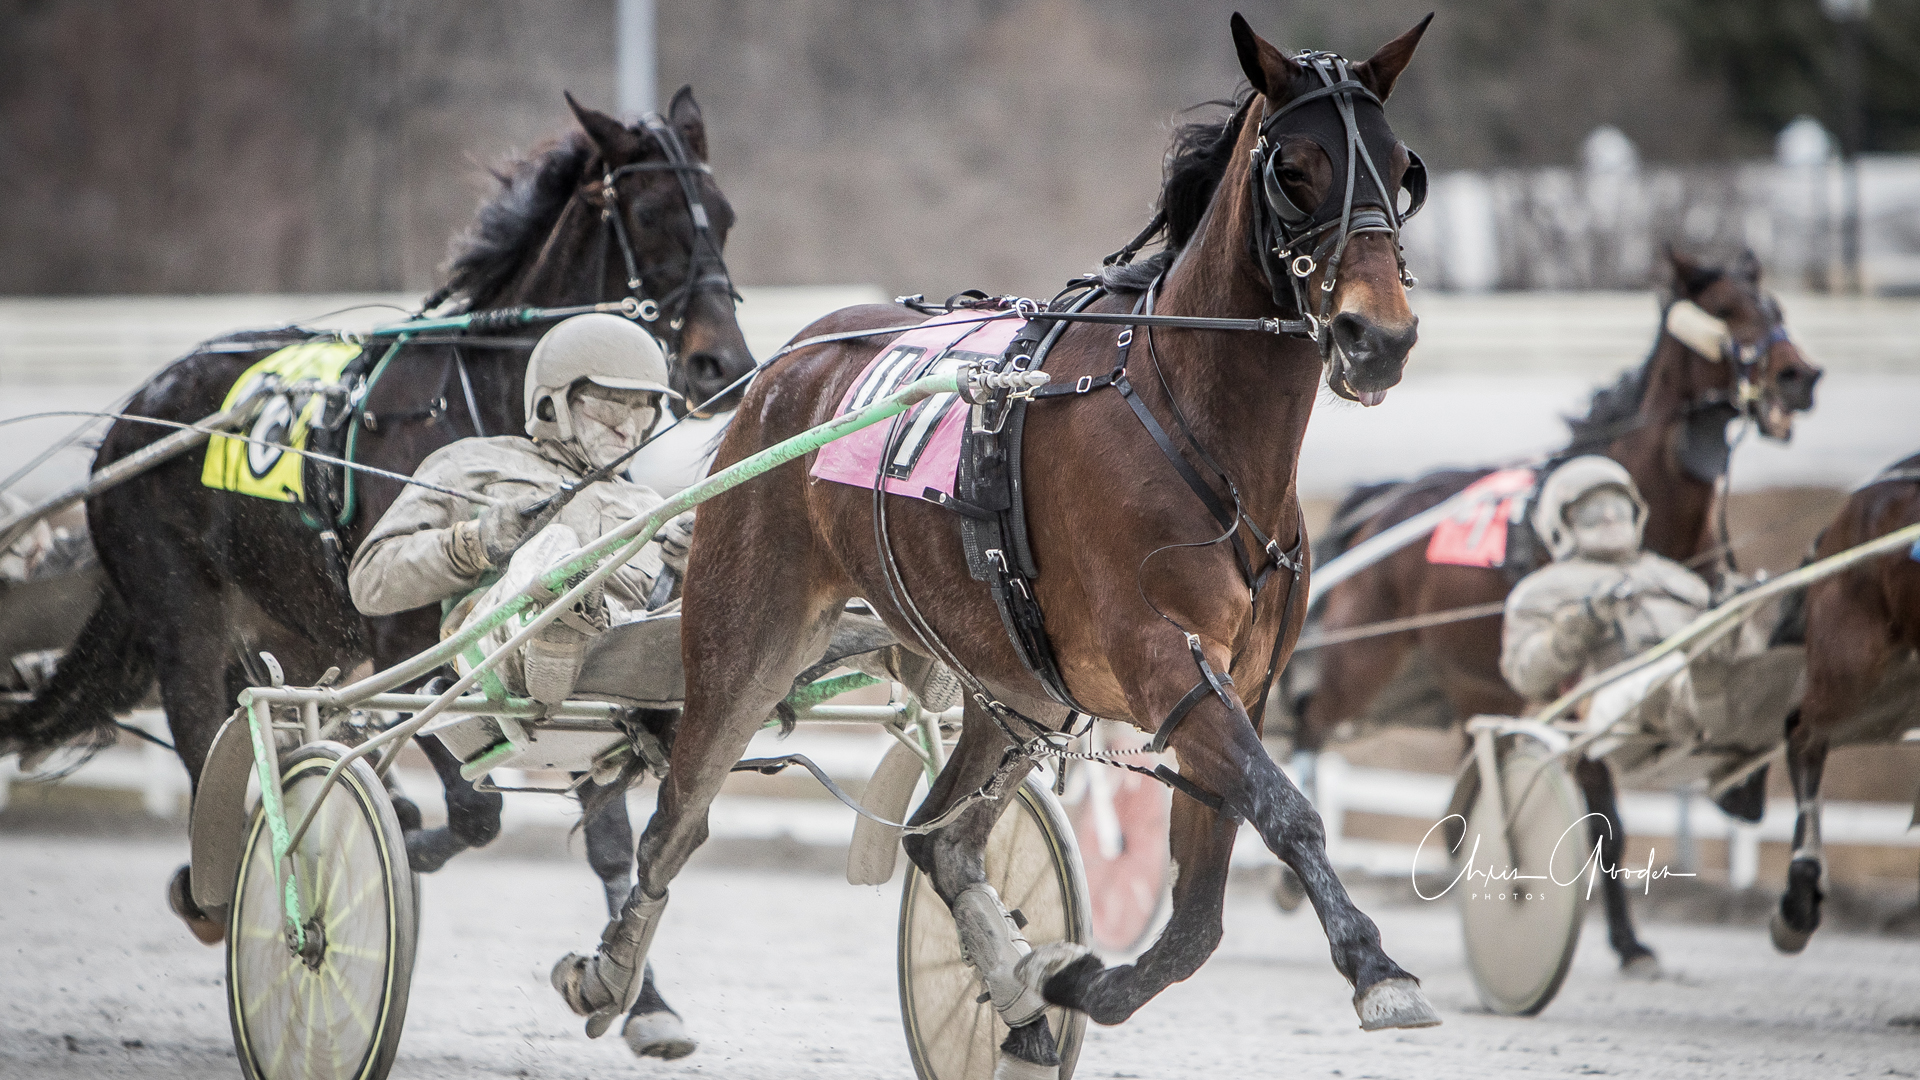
(928, 453)
(262, 471)
(1477, 535)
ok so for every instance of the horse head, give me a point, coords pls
(1327, 176)
(1759, 369)
(667, 223)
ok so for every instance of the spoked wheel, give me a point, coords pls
(1121, 820)
(1033, 864)
(1521, 929)
(335, 1009)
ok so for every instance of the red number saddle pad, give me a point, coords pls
(1477, 535)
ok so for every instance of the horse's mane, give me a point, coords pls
(509, 227)
(1611, 409)
(1195, 162)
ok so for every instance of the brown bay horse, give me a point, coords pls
(203, 580)
(1858, 624)
(775, 560)
(1666, 422)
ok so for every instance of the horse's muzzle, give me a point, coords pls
(1371, 357)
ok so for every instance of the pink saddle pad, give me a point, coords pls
(928, 452)
(1477, 536)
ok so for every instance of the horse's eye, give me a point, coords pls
(1293, 174)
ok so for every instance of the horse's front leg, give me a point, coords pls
(954, 859)
(1596, 782)
(1201, 841)
(652, 1028)
(1221, 753)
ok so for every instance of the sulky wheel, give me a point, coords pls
(1033, 864)
(334, 1010)
(1521, 932)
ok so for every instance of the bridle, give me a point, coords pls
(1291, 242)
(706, 268)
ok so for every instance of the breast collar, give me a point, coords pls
(1347, 121)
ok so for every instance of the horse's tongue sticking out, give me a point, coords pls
(1371, 398)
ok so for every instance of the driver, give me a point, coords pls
(593, 392)
(1602, 599)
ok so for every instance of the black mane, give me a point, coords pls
(510, 227)
(1195, 163)
(1610, 411)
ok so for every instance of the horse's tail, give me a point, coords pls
(106, 672)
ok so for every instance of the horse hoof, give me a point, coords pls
(1034, 969)
(1394, 1003)
(1288, 892)
(658, 1035)
(208, 930)
(1786, 938)
(429, 849)
(1012, 1068)
(1645, 968)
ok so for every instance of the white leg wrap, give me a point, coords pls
(991, 942)
(602, 986)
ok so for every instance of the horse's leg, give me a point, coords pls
(652, 1028)
(954, 860)
(1596, 782)
(473, 816)
(1220, 752)
(1847, 660)
(749, 661)
(1351, 675)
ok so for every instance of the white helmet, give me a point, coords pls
(606, 350)
(1566, 485)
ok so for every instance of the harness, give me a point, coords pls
(346, 415)
(1349, 123)
(706, 268)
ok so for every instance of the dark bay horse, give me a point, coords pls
(203, 580)
(1858, 623)
(775, 559)
(1666, 422)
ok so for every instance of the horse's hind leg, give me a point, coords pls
(1596, 782)
(473, 816)
(652, 1028)
(744, 642)
(954, 859)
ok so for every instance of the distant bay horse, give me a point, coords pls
(775, 559)
(1666, 422)
(203, 580)
(1857, 625)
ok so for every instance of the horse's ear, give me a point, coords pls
(614, 141)
(1380, 71)
(1268, 69)
(1690, 276)
(1747, 267)
(684, 113)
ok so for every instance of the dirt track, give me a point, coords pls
(791, 975)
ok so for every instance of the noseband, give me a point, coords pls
(706, 268)
(1292, 242)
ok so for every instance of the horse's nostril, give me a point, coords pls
(704, 366)
(1349, 330)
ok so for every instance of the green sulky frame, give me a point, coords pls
(917, 729)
